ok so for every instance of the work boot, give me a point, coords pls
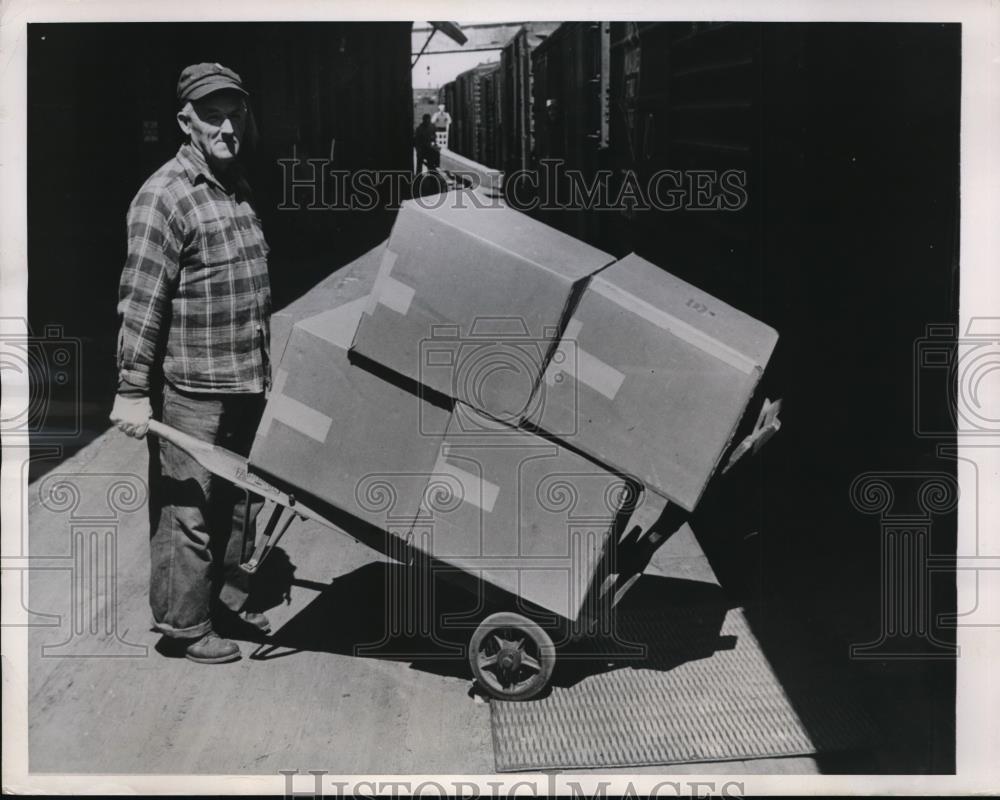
(213, 649)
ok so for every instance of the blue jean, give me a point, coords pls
(196, 519)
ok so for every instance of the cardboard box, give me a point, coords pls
(522, 513)
(342, 434)
(332, 291)
(468, 301)
(652, 377)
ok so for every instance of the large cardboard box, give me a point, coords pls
(342, 434)
(522, 513)
(468, 301)
(652, 377)
(347, 283)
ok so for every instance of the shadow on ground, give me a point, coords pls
(390, 611)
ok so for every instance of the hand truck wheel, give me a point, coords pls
(511, 656)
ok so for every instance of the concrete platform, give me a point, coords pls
(339, 694)
(109, 702)
(465, 171)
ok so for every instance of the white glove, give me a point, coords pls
(131, 415)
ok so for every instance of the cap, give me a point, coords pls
(199, 80)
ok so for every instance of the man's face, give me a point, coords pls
(216, 123)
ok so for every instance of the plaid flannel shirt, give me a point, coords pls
(194, 297)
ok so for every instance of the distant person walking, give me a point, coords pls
(441, 119)
(442, 124)
(425, 143)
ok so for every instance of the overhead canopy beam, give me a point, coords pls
(480, 38)
(449, 29)
(459, 51)
(476, 27)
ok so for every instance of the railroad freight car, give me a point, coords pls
(489, 131)
(518, 131)
(570, 107)
(447, 96)
(618, 107)
(469, 110)
(465, 121)
(807, 174)
(686, 104)
(460, 122)
(730, 137)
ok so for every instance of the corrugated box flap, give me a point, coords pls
(517, 233)
(688, 312)
(337, 325)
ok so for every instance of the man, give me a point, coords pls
(425, 142)
(441, 119)
(442, 123)
(193, 349)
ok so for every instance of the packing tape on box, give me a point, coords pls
(582, 366)
(336, 326)
(293, 413)
(472, 489)
(387, 290)
(678, 327)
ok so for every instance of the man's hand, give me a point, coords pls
(131, 415)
